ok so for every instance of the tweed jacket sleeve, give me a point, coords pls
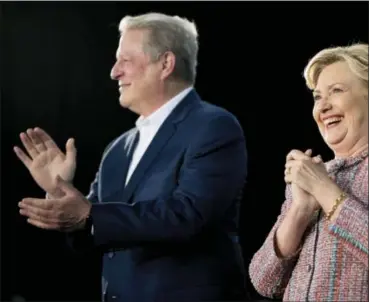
(351, 225)
(270, 274)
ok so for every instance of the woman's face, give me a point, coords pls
(341, 109)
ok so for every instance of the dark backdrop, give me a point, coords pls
(56, 59)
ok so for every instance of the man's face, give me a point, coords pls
(139, 79)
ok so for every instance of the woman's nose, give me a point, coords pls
(324, 105)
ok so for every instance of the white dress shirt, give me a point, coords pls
(149, 126)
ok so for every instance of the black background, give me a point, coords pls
(56, 60)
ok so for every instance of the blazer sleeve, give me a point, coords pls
(211, 176)
(269, 273)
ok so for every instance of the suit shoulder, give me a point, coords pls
(207, 112)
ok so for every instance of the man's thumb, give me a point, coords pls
(63, 185)
(71, 149)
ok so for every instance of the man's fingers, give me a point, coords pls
(35, 212)
(39, 203)
(44, 216)
(43, 225)
(23, 157)
(34, 216)
(36, 140)
(45, 138)
(28, 145)
(50, 225)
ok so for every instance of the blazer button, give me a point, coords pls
(110, 255)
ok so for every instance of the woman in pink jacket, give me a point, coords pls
(318, 248)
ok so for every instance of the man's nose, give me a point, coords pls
(115, 72)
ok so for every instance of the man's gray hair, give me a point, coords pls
(168, 33)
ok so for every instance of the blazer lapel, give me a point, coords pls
(165, 132)
(115, 165)
(159, 141)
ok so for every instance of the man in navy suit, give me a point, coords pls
(164, 204)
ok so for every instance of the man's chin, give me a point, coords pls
(124, 103)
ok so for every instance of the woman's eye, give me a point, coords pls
(336, 90)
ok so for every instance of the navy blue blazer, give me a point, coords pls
(170, 234)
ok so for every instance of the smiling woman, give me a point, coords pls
(339, 78)
(318, 248)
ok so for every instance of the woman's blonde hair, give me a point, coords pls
(356, 56)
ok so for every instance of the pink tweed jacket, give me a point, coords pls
(333, 263)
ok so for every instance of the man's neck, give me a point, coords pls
(170, 92)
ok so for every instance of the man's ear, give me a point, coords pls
(168, 61)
